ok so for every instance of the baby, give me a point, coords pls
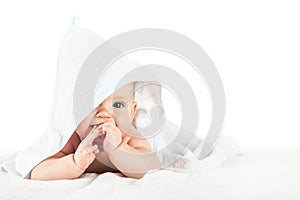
(105, 141)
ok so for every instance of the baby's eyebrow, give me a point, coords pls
(119, 97)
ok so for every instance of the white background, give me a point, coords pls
(254, 44)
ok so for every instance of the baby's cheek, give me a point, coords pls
(123, 121)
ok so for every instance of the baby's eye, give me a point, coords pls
(118, 105)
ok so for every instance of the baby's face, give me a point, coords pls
(120, 106)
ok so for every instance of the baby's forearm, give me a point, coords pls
(133, 162)
(57, 168)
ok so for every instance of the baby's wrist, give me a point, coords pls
(108, 147)
(78, 168)
(110, 151)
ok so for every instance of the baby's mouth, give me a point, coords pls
(93, 125)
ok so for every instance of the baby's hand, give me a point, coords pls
(86, 151)
(113, 135)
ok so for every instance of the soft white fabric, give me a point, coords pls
(258, 173)
(75, 47)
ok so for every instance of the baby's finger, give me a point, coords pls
(91, 136)
(96, 151)
(106, 128)
(109, 124)
(109, 127)
(105, 120)
(92, 149)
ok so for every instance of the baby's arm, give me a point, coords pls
(134, 158)
(59, 166)
(132, 161)
(66, 164)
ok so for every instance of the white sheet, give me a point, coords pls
(256, 173)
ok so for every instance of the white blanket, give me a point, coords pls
(256, 173)
(76, 46)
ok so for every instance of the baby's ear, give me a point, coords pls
(133, 110)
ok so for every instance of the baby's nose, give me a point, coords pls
(104, 113)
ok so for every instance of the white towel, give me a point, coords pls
(75, 47)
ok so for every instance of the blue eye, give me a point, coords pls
(118, 105)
